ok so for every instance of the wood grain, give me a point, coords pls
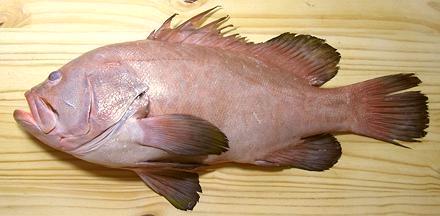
(374, 37)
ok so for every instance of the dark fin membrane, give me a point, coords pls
(315, 153)
(180, 188)
(304, 56)
(386, 115)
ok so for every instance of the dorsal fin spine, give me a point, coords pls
(304, 56)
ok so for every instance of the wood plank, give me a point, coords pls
(374, 37)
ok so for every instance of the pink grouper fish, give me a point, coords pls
(190, 97)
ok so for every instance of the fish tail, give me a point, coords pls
(384, 112)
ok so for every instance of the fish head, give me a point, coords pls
(81, 100)
(60, 107)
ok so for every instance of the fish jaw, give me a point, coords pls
(40, 121)
(40, 118)
(25, 120)
(44, 114)
(28, 123)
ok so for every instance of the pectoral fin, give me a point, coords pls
(180, 188)
(182, 135)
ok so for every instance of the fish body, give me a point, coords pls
(257, 106)
(189, 97)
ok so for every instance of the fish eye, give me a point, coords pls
(56, 75)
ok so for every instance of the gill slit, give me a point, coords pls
(107, 133)
(91, 100)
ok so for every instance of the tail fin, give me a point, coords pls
(386, 115)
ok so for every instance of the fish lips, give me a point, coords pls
(42, 116)
(26, 120)
(32, 121)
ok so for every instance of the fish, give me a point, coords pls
(193, 96)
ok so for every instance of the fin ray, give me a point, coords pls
(305, 56)
(388, 114)
(182, 134)
(180, 188)
(315, 153)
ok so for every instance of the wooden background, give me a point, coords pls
(374, 37)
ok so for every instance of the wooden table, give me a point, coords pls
(374, 37)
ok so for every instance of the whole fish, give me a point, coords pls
(190, 97)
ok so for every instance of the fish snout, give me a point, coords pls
(42, 111)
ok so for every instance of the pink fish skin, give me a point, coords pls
(190, 97)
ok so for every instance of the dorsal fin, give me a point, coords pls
(210, 35)
(304, 56)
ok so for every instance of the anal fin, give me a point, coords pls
(180, 188)
(315, 153)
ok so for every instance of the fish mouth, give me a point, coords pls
(30, 121)
(25, 118)
(42, 115)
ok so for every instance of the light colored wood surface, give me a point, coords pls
(374, 37)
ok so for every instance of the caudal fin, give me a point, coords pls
(384, 113)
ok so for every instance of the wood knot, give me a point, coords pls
(434, 5)
(186, 5)
(12, 14)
